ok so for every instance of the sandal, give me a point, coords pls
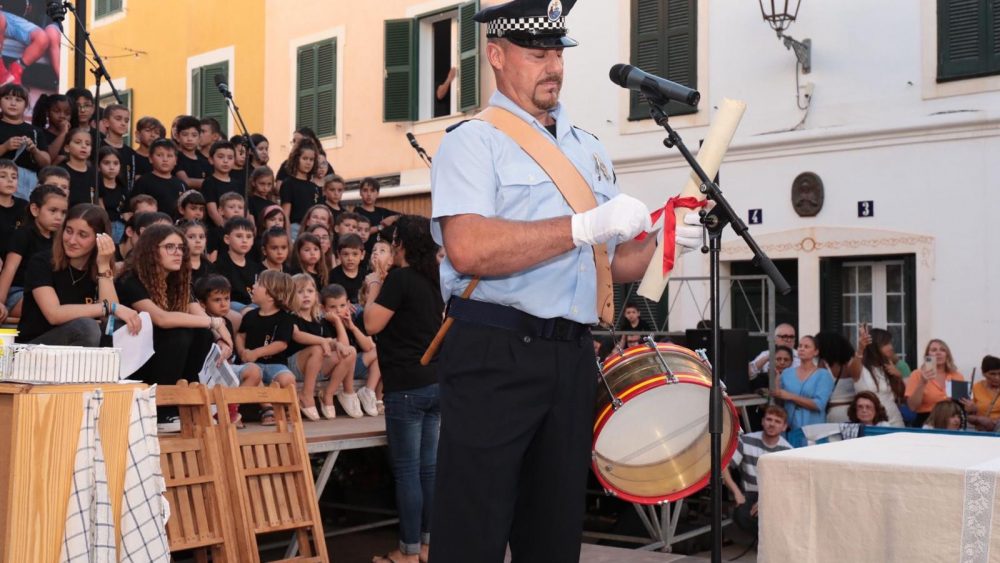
(385, 557)
(267, 417)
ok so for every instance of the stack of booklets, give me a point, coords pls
(59, 364)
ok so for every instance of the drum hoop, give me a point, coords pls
(643, 387)
(637, 350)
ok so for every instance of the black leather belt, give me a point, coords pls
(509, 318)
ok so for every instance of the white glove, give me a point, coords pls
(689, 234)
(621, 218)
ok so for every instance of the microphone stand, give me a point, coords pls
(100, 72)
(715, 222)
(251, 150)
(420, 151)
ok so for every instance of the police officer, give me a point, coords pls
(517, 370)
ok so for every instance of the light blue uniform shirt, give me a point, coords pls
(479, 170)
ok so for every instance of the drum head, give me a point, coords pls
(656, 446)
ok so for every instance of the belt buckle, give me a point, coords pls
(562, 329)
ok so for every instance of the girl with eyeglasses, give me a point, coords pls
(157, 280)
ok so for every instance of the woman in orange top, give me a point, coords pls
(984, 407)
(926, 387)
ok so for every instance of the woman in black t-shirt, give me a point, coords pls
(157, 280)
(405, 311)
(68, 290)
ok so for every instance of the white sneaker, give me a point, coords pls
(170, 425)
(367, 397)
(350, 403)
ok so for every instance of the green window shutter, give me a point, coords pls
(305, 99)
(400, 90)
(468, 51)
(831, 291)
(213, 104)
(106, 7)
(665, 43)
(196, 77)
(326, 89)
(968, 38)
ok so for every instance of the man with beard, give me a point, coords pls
(517, 371)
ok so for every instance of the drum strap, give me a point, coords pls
(571, 185)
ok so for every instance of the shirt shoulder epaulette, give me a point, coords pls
(456, 126)
(587, 132)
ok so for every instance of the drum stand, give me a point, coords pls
(715, 222)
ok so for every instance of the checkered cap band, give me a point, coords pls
(533, 25)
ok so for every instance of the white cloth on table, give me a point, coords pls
(144, 509)
(898, 497)
(90, 529)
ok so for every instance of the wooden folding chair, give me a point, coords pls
(201, 516)
(270, 475)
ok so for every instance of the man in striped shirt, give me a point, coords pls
(751, 447)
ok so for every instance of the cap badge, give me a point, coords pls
(555, 10)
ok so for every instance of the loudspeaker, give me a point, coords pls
(734, 358)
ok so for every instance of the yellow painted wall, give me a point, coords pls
(149, 47)
(366, 146)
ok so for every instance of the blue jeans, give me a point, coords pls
(412, 424)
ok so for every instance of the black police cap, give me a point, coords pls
(535, 24)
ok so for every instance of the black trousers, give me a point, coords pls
(180, 353)
(516, 430)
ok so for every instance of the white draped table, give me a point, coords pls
(907, 497)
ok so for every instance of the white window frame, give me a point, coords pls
(425, 65)
(96, 22)
(227, 54)
(339, 34)
(879, 294)
(930, 87)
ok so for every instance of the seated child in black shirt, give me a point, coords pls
(234, 264)
(230, 205)
(191, 205)
(212, 292)
(12, 208)
(112, 193)
(265, 333)
(349, 274)
(147, 130)
(337, 310)
(82, 183)
(54, 176)
(46, 211)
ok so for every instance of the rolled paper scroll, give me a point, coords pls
(710, 156)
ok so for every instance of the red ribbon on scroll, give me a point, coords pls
(670, 225)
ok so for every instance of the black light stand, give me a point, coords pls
(251, 150)
(715, 222)
(57, 12)
(420, 150)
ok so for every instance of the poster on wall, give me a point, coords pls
(30, 48)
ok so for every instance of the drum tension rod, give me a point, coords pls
(671, 378)
(615, 401)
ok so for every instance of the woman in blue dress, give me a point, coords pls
(805, 389)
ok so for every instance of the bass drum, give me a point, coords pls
(655, 446)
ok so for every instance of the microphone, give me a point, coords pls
(220, 83)
(413, 141)
(656, 88)
(56, 12)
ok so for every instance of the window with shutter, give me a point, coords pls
(103, 8)
(419, 53)
(400, 92)
(968, 39)
(316, 98)
(206, 101)
(665, 43)
(468, 48)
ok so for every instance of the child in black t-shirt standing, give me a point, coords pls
(147, 130)
(51, 116)
(46, 212)
(333, 191)
(351, 252)
(20, 141)
(12, 208)
(222, 155)
(265, 333)
(230, 205)
(113, 196)
(82, 186)
(116, 120)
(161, 183)
(262, 194)
(298, 191)
(379, 217)
(189, 167)
(239, 173)
(235, 265)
